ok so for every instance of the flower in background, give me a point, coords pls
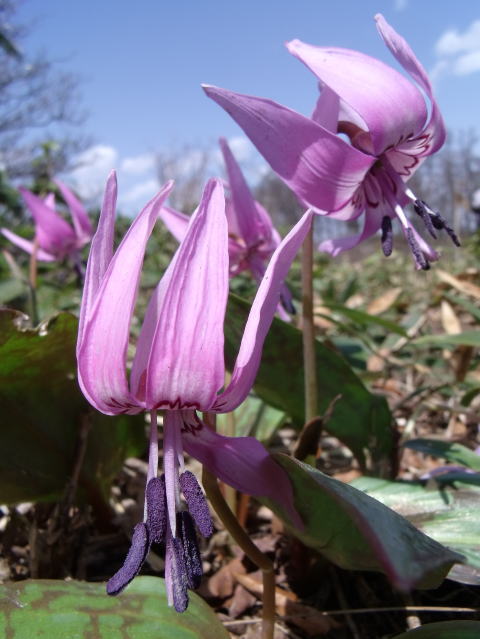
(55, 239)
(178, 367)
(252, 237)
(390, 130)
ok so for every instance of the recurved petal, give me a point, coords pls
(101, 251)
(321, 168)
(373, 221)
(81, 222)
(241, 462)
(406, 57)
(28, 246)
(260, 317)
(54, 234)
(175, 221)
(244, 206)
(102, 350)
(391, 106)
(185, 316)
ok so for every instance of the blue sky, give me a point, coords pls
(143, 64)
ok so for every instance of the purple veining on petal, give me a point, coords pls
(133, 561)
(191, 553)
(156, 509)
(196, 502)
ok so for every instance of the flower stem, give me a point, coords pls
(308, 332)
(246, 544)
(32, 284)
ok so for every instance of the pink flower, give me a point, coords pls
(252, 238)
(178, 367)
(390, 132)
(55, 238)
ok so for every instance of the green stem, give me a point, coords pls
(246, 544)
(308, 332)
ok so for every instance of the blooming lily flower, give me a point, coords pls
(55, 239)
(178, 367)
(390, 132)
(252, 238)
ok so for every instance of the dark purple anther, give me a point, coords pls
(156, 509)
(191, 553)
(425, 212)
(287, 305)
(196, 502)
(420, 259)
(133, 562)
(178, 574)
(440, 223)
(387, 236)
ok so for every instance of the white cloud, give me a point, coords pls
(138, 164)
(458, 52)
(92, 168)
(452, 42)
(141, 192)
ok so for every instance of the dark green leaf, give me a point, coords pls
(448, 450)
(364, 319)
(43, 412)
(67, 610)
(360, 419)
(358, 532)
(252, 418)
(464, 629)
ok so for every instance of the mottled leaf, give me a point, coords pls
(68, 610)
(451, 451)
(358, 532)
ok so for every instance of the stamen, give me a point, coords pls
(440, 223)
(175, 574)
(423, 210)
(156, 500)
(133, 561)
(191, 553)
(196, 502)
(387, 236)
(420, 259)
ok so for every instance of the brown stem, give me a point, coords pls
(308, 332)
(32, 283)
(246, 544)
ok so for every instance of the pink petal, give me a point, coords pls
(405, 56)
(185, 316)
(81, 222)
(28, 246)
(241, 462)
(391, 106)
(54, 234)
(260, 317)
(101, 252)
(326, 110)
(244, 206)
(321, 168)
(102, 350)
(175, 222)
(372, 222)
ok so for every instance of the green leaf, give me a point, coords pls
(451, 516)
(360, 419)
(35, 609)
(11, 289)
(358, 532)
(450, 451)
(364, 319)
(462, 629)
(43, 412)
(467, 338)
(252, 418)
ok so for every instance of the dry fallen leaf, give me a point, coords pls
(450, 322)
(460, 285)
(384, 302)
